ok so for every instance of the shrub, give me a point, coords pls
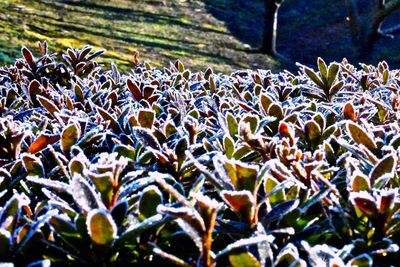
(170, 167)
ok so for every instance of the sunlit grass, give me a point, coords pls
(160, 33)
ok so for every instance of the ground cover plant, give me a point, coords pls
(168, 167)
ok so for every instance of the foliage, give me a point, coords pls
(169, 167)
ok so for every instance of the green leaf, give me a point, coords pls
(363, 260)
(269, 185)
(232, 125)
(312, 131)
(229, 146)
(323, 69)
(33, 165)
(242, 175)
(314, 77)
(131, 234)
(101, 227)
(287, 255)
(146, 118)
(69, 137)
(125, 151)
(333, 71)
(243, 259)
(148, 202)
(360, 136)
(385, 165)
(104, 183)
(63, 227)
(360, 182)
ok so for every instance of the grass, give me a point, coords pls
(161, 31)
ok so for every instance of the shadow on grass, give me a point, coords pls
(244, 19)
(56, 26)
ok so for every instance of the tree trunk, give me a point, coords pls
(366, 22)
(270, 27)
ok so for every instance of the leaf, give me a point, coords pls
(5, 243)
(285, 130)
(146, 118)
(275, 110)
(48, 105)
(134, 89)
(242, 175)
(119, 212)
(146, 137)
(188, 215)
(42, 141)
(385, 165)
(242, 202)
(101, 227)
(280, 210)
(27, 54)
(52, 184)
(84, 195)
(360, 136)
(323, 69)
(69, 137)
(269, 185)
(336, 87)
(63, 227)
(232, 125)
(34, 89)
(104, 183)
(148, 202)
(287, 255)
(229, 146)
(253, 122)
(349, 112)
(244, 242)
(314, 77)
(363, 260)
(266, 101)
(333, 71)
(312, 131)
(109, 117)
(96, 54)
(243, 259)
(365, 202)
(359, 182)
(32, 164)
(136, 229)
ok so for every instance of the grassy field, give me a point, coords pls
(161, 31)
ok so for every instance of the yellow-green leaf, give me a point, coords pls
(243, 259)
(101, 227)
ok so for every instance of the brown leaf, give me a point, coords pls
(42, 141)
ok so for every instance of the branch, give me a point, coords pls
(390, 7)
(391, 30)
